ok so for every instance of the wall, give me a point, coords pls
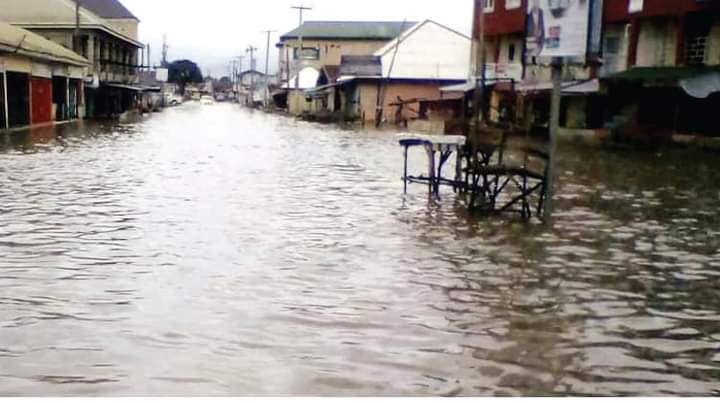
(407, 91)
(657, 43)
(297, 103)
(502, 20)
(127, 27)
(331, 52)
(429, 52)
(713, 50)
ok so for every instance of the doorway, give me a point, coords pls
(3, 124)
(18, 91)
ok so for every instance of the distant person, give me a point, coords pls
(535, 30)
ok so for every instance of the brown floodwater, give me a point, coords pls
(210, 250)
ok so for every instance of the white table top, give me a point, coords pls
(436, 140)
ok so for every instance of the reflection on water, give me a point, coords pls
(210, 250)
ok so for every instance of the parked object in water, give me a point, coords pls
(173, 100)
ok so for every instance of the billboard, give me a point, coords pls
(557, 28)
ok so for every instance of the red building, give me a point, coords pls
(650, 49)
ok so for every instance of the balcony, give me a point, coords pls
(503, 72)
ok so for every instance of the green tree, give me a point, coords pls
(183, 72)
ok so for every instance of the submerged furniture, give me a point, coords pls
(513, 177)
(439, 149)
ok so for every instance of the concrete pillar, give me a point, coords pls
(91, 52)
(5, 103)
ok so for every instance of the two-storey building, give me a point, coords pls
(651, 53)
(661, 67)
(316, 44)
(103, 31)
(40, 81)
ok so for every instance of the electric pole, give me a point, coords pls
(252, 51)
(77, 27)
(267, 68)
(164, 51)
(479, 43)
(300, 9)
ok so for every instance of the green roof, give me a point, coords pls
(661, 73)
(377, 30)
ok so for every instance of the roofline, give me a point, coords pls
(286, 36)
(405, 34)
(44, 57)
(346, 38)
(82, 26)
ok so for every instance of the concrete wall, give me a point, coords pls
(127, 27)
(429, 52)
(368, 99)
(657, 43)
(713, 50)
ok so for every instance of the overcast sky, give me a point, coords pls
(212, 32)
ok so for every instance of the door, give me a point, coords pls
(2, 101)
(41, 89)
(18, 99)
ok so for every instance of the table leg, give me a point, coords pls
(431, 168)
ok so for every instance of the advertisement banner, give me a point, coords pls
(557, 28)
(635, 6)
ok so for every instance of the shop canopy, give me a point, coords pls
(696, 81)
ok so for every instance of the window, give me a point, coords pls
(696, 49)
(612, 45)
(511, 53)
(512, 4)
(489, 6)
(307, 53)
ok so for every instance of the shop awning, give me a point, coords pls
(673, 74)
(583, 88)
(125, 87)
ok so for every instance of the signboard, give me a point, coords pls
(161, 75)
(596, 27)
(557, 28)
(636, 6)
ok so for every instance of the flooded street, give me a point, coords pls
(210, 250)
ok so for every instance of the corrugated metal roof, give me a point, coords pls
(361, 66)
(110, 9)
(24, 42)
(380, 30)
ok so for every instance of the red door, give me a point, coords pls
(41, 90)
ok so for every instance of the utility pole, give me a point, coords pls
(252, 51)
(164, 51)
(77, 27)
(267, 68)
(300, 9)
(479, 43)
(555, 100)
